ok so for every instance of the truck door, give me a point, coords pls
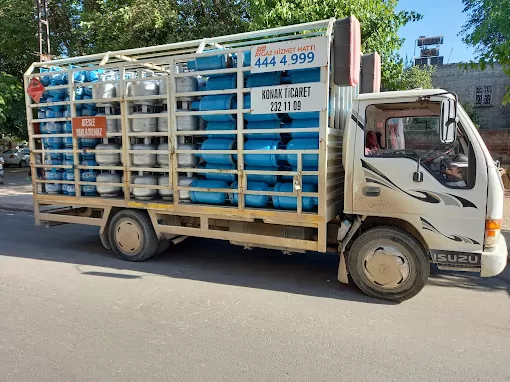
(447, 203)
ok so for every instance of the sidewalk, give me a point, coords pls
(16, 192)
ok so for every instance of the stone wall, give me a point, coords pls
(464, 82)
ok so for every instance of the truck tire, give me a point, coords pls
(388, 263)
(132, 236)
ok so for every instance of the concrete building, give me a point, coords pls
(482, 89)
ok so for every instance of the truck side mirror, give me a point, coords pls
(448, 121)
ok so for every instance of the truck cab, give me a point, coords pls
(420, 167)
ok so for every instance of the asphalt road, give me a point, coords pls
(208, 311)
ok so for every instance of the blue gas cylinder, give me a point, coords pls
(303, 123)
(88, 162)
(226, 177)
(53, 188)
(257, 117)
(257, 201)
(290, 202)
(88, 190)
(55, 95)
(68, 159)
(217, 144)
(301, 76)
(226, 125)
(218, 102)
(51, 113)
(67, 127)
(54, 127)
(88, 175)
(246, 59)
(55, 156)
(273, 124)
(53, 162)
(308, 160)
(53, 143)
(68, 175)
(220, 82)
(208, 197)
(268, 160)
(53, 174)
(266, 178)
(93, 75)
(208, 63)
(88, 142)
(305, 115)
(306, 179)
(71, 190)
(263, 79)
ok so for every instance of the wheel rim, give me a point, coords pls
(128, 236)
(386, 266)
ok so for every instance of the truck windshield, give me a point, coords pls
(412, 131)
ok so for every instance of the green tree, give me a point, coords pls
(379, 21)
(414, 77)
(12, 107)
(123, 24)
(488, 30)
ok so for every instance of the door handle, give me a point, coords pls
(371, 191)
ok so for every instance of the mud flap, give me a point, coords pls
(104, 240)
(342, 270)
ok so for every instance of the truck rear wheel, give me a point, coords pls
(132, 236)
(388, 263)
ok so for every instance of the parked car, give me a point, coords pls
(17, 157)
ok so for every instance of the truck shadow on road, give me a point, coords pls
(198, 259)
(210, 261)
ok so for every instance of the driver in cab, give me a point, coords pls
(453, 177)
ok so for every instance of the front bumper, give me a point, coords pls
(494, 262)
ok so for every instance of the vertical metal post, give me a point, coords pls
(124, 126)
(172, 129)
(242, 183)
(43, 33)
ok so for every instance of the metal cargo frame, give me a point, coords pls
(162, 60)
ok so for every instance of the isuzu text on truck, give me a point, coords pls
(277, 139)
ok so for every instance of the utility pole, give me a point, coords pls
(43, 30)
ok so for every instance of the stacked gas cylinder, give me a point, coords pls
(257, 140)
(149, 129)
(90, 163)
(148, 135)
(108, 152)
(183, 123)
(54, 76)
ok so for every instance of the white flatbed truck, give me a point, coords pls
(403, 178)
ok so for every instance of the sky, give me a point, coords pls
(440, 18)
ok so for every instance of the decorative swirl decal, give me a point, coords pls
(375, 176)
(460, 239)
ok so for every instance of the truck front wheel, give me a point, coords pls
(132, 236)
(388, 263)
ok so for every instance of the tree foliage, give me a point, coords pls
(12, 107)
(488, 30)
(414, 77)
(379, 21)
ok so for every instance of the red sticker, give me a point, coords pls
(35, 89)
